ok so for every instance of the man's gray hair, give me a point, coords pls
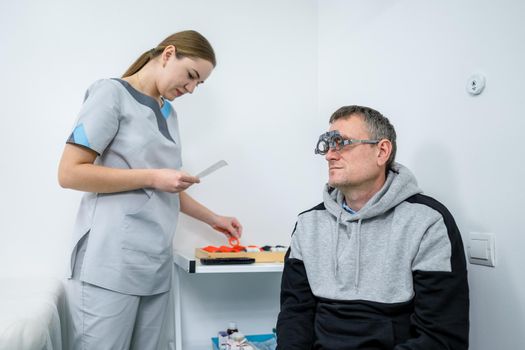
(378, 125)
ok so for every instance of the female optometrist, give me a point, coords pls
(125, 153)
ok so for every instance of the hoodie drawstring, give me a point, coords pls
(358, 253)
(336, 243)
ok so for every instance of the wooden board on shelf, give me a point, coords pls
(260, 257)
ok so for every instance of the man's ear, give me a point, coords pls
(384, 148)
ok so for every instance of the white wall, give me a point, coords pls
(411, 59)
(284, 66)
(258, 112)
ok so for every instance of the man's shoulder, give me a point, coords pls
(431, 203)
(437, 206)
(319, 206)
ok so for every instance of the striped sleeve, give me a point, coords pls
(441, 302)
(295, 323)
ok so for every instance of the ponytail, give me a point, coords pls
(188, 43)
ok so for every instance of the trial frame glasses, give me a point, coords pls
(334, 140)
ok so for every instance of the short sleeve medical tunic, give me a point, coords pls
(130, 233)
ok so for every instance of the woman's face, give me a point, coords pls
(181, 75)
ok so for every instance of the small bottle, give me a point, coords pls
(232, 328)
(222, 339)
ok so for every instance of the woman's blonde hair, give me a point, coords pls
(188, 43)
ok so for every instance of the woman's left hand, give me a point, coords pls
(230, 226)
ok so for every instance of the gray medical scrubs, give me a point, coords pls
(130, 233)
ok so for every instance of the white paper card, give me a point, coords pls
(212, 168)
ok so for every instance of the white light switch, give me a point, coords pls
(481, 249)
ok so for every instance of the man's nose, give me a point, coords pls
(332, 154)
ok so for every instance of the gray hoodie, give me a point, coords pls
(351, 256)
(391, 276)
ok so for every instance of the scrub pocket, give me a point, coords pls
(144, 236)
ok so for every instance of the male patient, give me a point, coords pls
(376, 265)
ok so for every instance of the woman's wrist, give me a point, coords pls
(149, 178)
(212, 219)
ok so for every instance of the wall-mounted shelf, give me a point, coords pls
(187, 262)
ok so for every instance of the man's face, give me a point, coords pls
(354, 165)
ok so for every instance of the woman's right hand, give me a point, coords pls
(169, 180)
(78, 171)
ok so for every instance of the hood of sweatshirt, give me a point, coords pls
(400, 184)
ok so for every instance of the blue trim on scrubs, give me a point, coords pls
(79, 136)
(166, 109)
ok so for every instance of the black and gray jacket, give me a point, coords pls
(391, 276)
